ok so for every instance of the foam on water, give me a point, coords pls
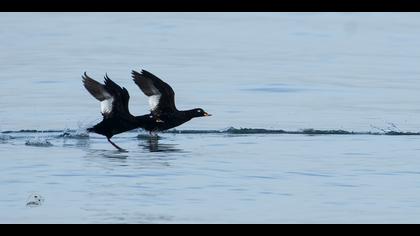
(74, 134)
(38, 142)
(5, 137)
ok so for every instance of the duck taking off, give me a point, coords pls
(162, 103)
(114, 108)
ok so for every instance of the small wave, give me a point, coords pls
(233, 130)
(230, 130)
(74, 134)
(402, 133)
(5, 137)
(38, 143)
(175, 131)
(23, 131)
(330, 132)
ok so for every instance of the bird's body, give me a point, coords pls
(162, 103)
(169, 121)
(115, 110)
(120, 124)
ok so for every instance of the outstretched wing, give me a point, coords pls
(161, 95)
(121, 95)
(113, 98)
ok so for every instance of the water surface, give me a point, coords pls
(328, 103)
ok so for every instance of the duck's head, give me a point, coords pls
(198, 112)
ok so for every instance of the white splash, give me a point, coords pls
(38, 142)
(35, 200)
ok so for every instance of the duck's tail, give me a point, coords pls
(90, 130)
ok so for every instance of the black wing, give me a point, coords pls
(161, 95)
(113, 98)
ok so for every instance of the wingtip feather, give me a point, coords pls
(84, 76)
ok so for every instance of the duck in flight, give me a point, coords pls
(115, 110)
(162, 103)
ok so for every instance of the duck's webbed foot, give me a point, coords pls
(116, 146)
(153, 134)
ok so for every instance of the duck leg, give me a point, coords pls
(115, 145)
(153, 134)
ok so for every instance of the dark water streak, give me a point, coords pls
(246, 131)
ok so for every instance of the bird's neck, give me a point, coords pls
(190, 114)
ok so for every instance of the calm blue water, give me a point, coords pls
(331, 72)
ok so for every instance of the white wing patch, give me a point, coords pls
(106, 105)
(154, 101)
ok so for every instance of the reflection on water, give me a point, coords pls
(83, 143)
(106, 153)
(152, 145)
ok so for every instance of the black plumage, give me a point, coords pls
(162, 103)
(114, 108)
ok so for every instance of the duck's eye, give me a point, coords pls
(199, 111)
